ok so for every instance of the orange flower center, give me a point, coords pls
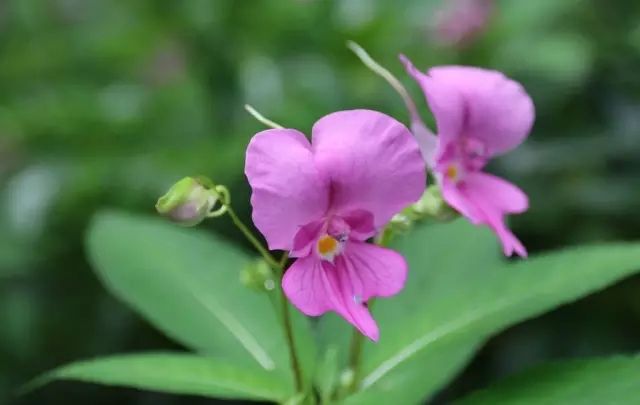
(327, 245)
(452, 172)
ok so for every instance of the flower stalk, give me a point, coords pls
(261, 118)
(280, 267)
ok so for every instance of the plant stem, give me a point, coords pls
(252, 239)
(355, 352)
(286, 314)
(261, 117)
(288, 331)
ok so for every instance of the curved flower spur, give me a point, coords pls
(322, 200)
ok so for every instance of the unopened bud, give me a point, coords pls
(432, 206)
(258, 275)
(188, 202)
(402, 222)
(347, 378)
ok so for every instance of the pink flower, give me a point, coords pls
(321, 201)
(479, 114)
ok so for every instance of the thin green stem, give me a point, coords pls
(370, 63)
(355, 353)
(261, 118)
(288, 331)
(252, 239)
(283, 261)
(286, 314)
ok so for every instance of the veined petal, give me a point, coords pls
(500, 113)
(308, 287)
(373, 163)
(444, 100)
(287, 191)
(315, 287)
(372, 271)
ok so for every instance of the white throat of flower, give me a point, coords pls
(328, 246)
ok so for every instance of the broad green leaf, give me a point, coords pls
(186, 282)
(437, 267)
(420, 353)
(175, 373)
(609, 381)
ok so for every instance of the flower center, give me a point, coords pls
(328, 247)
(454, 172)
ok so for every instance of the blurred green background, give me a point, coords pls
(106, 103)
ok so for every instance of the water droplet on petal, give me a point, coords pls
(357, 299)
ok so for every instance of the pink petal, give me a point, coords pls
(361, 226)
(288, 192)
(445, 102)
(372, 271)
(503, 196)
(305, 238)
(315, 287)
(427, 141)
(460, 202)
(373, 161)
(510, 242)
(480, 207)
(307, 286)
(499, 111)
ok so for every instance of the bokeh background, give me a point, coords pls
(106, 103)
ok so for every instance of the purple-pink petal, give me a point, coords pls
(287, 190)
(315, 287)
(360, 223)
(362, 272)
(446, 104)
(372, 160)
(505, 197)
(499, 111)
(307, 285)
(485, 200)
(373, 271)
(427, 141)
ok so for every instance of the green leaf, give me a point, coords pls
(174, 373)
(419, 353)
(614, 380)
(187, 283)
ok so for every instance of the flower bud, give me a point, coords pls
(402, 222)
(258, 275)
(432, 205)
(188, 202)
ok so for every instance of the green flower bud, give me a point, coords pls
(347, 378)
(258, 275)
(432, 205)
(402, 222)
(188, 202)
